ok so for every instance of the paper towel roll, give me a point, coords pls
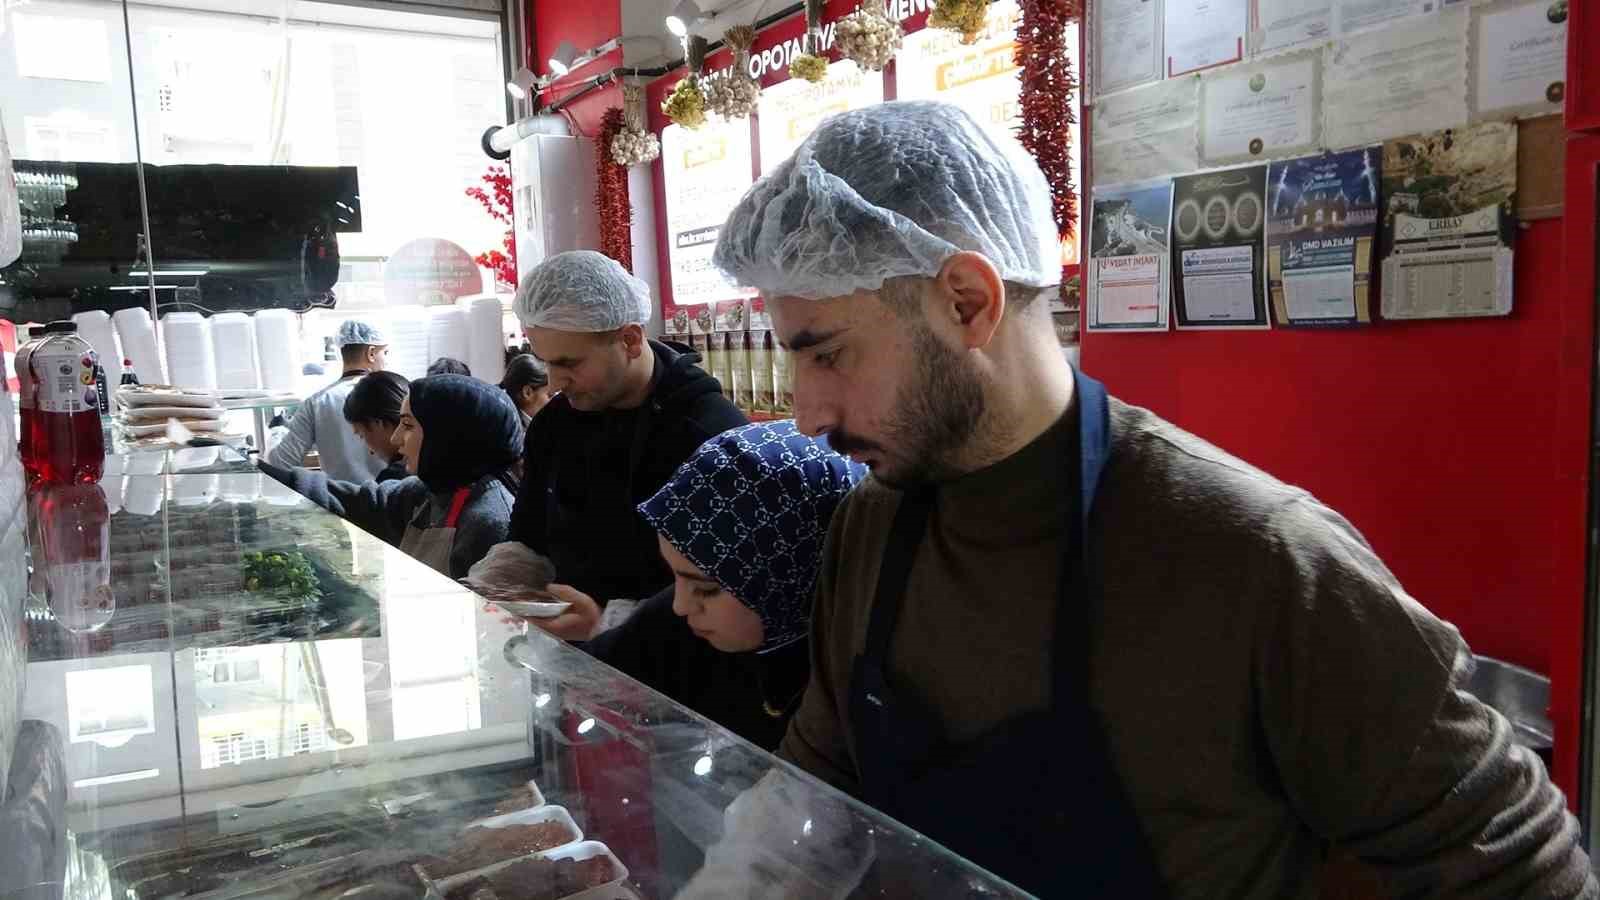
(486, 353)
(277, 349)
(235, 337)
(191, 350)
(407, 330)
(96, 328)
(138, 336)
(447, 334)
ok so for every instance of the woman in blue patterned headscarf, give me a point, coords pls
(742, 525)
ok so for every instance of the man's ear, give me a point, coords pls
(972, 298)
(633, 340)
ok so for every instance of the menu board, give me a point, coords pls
(706, 171)
(982, 78)
(791, 110)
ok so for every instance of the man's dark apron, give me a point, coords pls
(1036, 800)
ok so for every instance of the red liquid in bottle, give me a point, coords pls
(61, 441)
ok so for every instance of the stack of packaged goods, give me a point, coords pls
(143, 411)
(736, 345)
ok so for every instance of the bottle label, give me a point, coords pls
(66, 382)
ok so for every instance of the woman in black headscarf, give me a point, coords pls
(459, 438)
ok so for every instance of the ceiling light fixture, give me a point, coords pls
(524, 83)
(561, 62)
(683, 17)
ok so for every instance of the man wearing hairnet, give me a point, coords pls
(629, 411)
(319, 423)
(1086, 650)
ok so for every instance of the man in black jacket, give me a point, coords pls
(629, 411)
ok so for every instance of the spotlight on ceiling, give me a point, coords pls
(561, 61)
(522, 84)
(683, 17)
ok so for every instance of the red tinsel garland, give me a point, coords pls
(1048, 88)
(611, 198)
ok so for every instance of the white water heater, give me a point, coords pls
(553, 185)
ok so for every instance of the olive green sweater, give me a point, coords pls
(1269, 689)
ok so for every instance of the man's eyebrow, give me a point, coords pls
(694, 576)
(807, 339)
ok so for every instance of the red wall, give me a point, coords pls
(586, 25)
(1437, 439)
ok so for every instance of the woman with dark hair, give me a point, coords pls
(527, 381)
(446, 365)
(459, 438)
(373, 411)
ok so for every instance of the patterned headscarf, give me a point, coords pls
(750, 509)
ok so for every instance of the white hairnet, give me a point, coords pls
(355, 331)
(891, 190)
(582, 291)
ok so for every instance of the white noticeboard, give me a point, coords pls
(706, 172)
(790, 111)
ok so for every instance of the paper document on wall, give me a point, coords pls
(1129, 262)
(1395, 82)
(1199, 34)
(1146, 132)
(1448, 222)
(1363, 15)
(1521, 59)
(1322, 227)
(1259, 111)
(1286, 23)
(1218, 227)
(1128, 52)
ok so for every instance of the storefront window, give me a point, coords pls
(268, 132)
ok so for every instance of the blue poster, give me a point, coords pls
(1322, 227)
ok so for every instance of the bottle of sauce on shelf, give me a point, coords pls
(63, 443)
(25, 392)
(70, 532)
(129, 376)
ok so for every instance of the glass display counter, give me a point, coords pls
(256, 699)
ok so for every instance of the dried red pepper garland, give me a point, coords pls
(1048, 89)
(611, 198)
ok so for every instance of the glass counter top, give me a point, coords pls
(256, 698)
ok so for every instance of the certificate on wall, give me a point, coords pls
(1129, 257)
(1286, 23)
(1259, 111)
(1218, 255)
(1448, 222)
(1396, 81)
(1364, 15)
(1146, 132)
(705, 172)
(1521, 58)
(1199, 34)
(791, 110)
(1129, 50)
(1322, 227)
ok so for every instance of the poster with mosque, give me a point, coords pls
(1322, 227)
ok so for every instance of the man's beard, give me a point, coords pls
(935, 417)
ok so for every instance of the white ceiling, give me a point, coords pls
(648, 41)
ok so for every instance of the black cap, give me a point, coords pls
(61, 326)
